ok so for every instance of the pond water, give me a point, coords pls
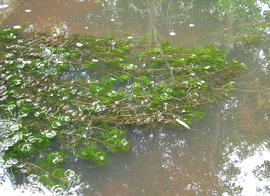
(227, 153)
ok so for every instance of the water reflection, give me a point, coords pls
(181, 21)
(7, 186)
(6, 7)
(248, 174)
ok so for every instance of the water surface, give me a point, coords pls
(227, 153)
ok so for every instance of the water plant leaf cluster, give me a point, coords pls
(67, 99)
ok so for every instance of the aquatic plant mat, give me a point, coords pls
(63, 99)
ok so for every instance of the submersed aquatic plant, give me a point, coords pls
(63, 99)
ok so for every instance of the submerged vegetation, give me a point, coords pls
(64, 99)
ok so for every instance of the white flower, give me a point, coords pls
(79, 45)
(17, 27)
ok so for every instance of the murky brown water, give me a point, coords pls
(228, 153)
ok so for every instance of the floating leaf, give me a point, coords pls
(182, 123)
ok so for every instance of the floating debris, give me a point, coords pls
(4, 6)
(172, 33)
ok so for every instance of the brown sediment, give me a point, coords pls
(49, 14)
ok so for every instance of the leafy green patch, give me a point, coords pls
(115, 141)
(78, 94)
(92, 153)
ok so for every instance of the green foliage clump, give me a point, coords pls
(92, 152)
(115, 141)
(79, 93)
(8, 34)
(56, 158)
(51, 173)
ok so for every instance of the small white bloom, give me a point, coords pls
(79, 45)
(27, 62)
(101, 158)
(28, 11)
(9, 55)
(17, 27)
(48, 52)
(191, 25)
(95, 60)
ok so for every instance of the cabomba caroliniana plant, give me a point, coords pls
(71, 98)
